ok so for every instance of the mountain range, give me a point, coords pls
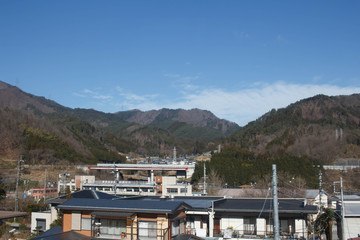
(321, 127)
(46, 132)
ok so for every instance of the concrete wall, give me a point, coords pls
(40, 215)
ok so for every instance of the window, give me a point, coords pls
(112, 226)
(147, 229)
(175, 228)
(75, 221)
(41, 224)
(183, 190)
(172, 190)
(249, 225)
(85, 223)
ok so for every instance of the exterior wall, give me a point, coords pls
(53, 213)
(67, 221)
(352, 228)
(40, 215)
(159, 187)
(122, 187)
(170, 182)
(297, 227)
(38, 193)
(162, 223)
(70, 184)
(79, 180)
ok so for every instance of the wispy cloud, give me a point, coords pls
(184, 84)
(240, 106)
(92, 94)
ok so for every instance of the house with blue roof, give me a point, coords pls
(154, 217)
(130, 219)
(40, 221)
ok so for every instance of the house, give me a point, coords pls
(40, 221)
(253, 216)
(116, 219)
(155, 217)
(213, 216)
(351, 215)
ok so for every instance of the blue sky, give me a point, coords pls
(238, 59)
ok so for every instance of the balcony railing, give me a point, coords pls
(134, 234)
(250, 233)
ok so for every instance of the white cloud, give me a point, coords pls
(92, 94)
(240, 106)
(243, 106)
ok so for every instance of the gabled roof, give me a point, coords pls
(88, 194)
(262, 193)
(135, 206)
(196, 203)
(256, 205)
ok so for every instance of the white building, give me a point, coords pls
(167, 185)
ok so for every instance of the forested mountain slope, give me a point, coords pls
(321, 127)
(47, 132)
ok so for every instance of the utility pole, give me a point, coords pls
(45, 186)
(342, 210)
(320, 190)
(115, 179)
(17, 183)
(275, 203)
(204, 190)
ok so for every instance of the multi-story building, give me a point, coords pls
(73, 184)
(39, 193)
(167, 185)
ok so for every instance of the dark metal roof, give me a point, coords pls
(123, 205)
(196, 203)
(57, 234)
(89, 194)
(113, 214)
(265, 205)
